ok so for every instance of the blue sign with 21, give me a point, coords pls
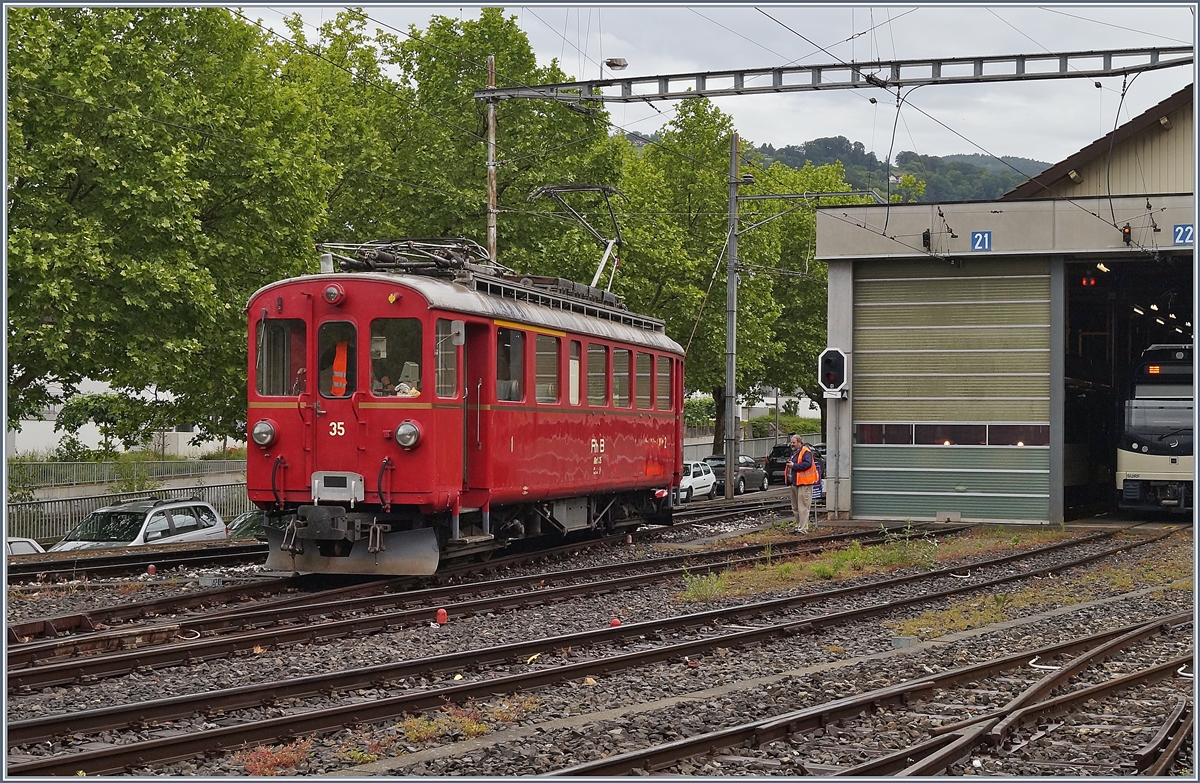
(981, 240)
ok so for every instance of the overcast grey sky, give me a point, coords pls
(1046, 120)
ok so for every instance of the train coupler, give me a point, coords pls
(375, 537)
(289, 540)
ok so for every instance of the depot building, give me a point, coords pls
(989, 345)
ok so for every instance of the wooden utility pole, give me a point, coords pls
(491, 162)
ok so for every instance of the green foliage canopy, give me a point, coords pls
(165, 163)
(158, 174)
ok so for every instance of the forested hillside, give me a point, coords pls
(949, 178)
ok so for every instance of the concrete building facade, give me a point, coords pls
(988, 342)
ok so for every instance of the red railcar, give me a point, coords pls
(422, 403)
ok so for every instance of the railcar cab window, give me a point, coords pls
(645, 363)
(597, 370)
(510, 365)
(279, 364)
(573, 372)
(396, 357)
(446, 357)
(337, 359)
(664, 384)
(621, 378)
(546, 368)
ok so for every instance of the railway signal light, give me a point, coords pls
(1127, 234)
(831, 372)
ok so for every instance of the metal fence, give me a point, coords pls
(50, 520)
(758, 448)
(32, 475)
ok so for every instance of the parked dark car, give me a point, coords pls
(778, 459)
(253, 524)
(749, 474)
(777, 462)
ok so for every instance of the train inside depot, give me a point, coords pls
(414, 402)
(1129, 410)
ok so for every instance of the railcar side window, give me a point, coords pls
(621, 378)
(546, 367)
(664, 384)
(337, 359)
(510, 364)
(573, 373)
(645, 363)
(396, 357)
(446, 356)
(597, 375)
(279, 365)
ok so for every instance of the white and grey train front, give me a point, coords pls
(1154, 455)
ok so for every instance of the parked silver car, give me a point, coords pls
(24, 546)
(146, 521)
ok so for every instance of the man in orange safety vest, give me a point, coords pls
(800, 475)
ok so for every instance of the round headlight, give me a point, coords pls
(407, 434)
(263, 433)
(334, 293)
(1134, 445)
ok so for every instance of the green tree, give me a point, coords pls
(800, 284)
(672, 262)
(909, 189)
(159, 172)
(538, 142)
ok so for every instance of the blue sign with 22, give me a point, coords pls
(1184, 234)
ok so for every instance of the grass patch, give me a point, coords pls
(368, 747)
(1170, 567)
(452, 721)
(265, 761)
(513, 708)
(903, 549)
(703, 588)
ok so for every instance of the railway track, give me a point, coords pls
(57, 626)
(55, 567)
(949, 745)
(295, 619)
(647, 635)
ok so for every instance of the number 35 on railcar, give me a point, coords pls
(414, 402)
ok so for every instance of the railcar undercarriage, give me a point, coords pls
(365, 539)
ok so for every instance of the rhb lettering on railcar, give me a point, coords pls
(597, 445)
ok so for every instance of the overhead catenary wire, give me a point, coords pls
(1028, 178)
(750, 164)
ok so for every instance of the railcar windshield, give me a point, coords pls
(337, 359)
(396, 357)
(1158, 416)
(279, 367)
(120, 526)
